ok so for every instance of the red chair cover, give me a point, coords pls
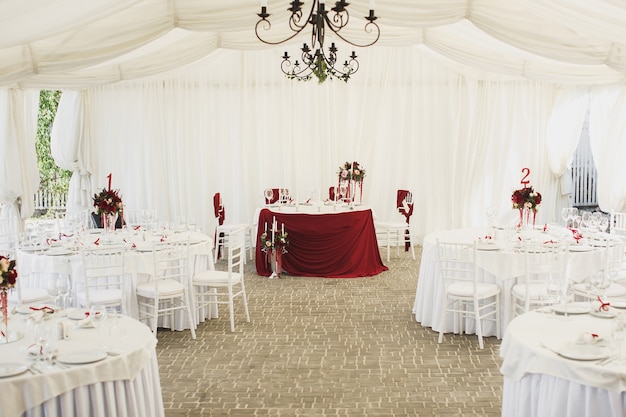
(331, 193)
(401, 195)
(338, 245)
(220, 215)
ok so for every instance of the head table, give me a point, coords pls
(107, 372)
(502, 262)
(554, 366)
(337, 242)
(37, 265)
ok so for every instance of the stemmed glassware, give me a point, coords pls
(98, 315)
(565, 214)
(64, 287)
(490, 215)
(618, 332)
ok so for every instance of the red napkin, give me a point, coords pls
(604, 306)
(44, 309)
(97, 242)
(136, 227)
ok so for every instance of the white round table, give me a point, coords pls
(123, 383)
(541, 383)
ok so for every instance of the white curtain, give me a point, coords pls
(19, 174)
(607, 137)
(70, 149)
(234, 124)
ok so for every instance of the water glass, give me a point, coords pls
(98, 315)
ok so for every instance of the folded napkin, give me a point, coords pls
(85, 323)
(588, 338)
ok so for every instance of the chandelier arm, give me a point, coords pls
(368, 29)
(269, 25)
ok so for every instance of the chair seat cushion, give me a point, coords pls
(166, 288)
(215, 278)
(535, 291)
(29, 296)
(466, 289)
(104, 296)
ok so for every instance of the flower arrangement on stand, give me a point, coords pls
(9, 278)
(108, 204)
(274, 244)
(526, 200)
(352, 172)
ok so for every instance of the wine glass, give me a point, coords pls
(98, 315)
(490, 215)
(585, 219)
(565, 214)
(64, 287)
(596, 218)
(53, 291)
(618, 332)
(604, 224)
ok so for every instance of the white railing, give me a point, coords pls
(48, 200)
(584, 173)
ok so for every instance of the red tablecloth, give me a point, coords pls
(335, 245)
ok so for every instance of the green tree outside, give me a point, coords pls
(52, 177)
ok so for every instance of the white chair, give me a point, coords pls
(618, 224)
(167, 291)
(9, 234)
(463, 295)
(72, 222)
(21, 294)
(223, 230)
(103, 281)
(544, 276)
(398, 234)
(221, 287)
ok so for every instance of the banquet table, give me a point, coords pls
(97, 373)
(554, 366)
(501, 266)
(36, 268)
(332, 244)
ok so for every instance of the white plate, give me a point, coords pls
(33, 248)
(26, 309)
(487, 246)
(572, 308)
(11, 369)
(580, 248)
(88, 356)
(604, 314)
(59, 252)
(77, 314)
(618, 303)
(584, 352)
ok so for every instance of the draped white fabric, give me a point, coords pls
(19, 174)
(234, 125)
(71, 43)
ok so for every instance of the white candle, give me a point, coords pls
(283, 228)
(263, 3)
(273, 228)
(371, 4)
(265, 227)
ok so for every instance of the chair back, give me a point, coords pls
(457, 263)
(618, 224)
(545, 264)
(404, 203)
(218, 209)
(171, 262)
(103, 270)
(236, 251)
(614, 260)
(9, 234)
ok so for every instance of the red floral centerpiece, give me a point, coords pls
(9, 278)
(526, 200)
(108, 204)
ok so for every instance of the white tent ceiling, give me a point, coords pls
(76, 43)
(456, 97)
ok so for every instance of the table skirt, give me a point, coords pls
(540, 395)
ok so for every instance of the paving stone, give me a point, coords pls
(324, 347)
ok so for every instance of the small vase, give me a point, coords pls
(108, 221)
(527, 218)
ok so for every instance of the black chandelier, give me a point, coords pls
(317, 62)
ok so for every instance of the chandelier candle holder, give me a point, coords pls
(350, 182)
(315, 60)
(274, 244)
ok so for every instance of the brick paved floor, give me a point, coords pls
(328, 347)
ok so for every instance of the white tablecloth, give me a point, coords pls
(539, 382)
(501, 267)
(37, 268)
(124, 385)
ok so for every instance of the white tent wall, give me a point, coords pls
(233, 124)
